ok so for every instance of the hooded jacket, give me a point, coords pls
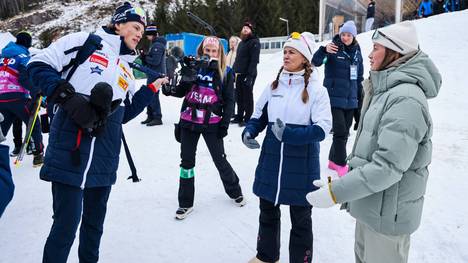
(389, 161)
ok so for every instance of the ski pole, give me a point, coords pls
(29, 129)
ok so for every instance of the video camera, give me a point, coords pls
(187, 73)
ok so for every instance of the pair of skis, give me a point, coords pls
(29, 129)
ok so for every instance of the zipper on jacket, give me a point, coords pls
(88, 164)
(278, 188)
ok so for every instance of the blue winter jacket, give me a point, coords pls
(287, 168)
(18, 56)
(344, 92)
(156, 58)
(99, 155)
(6, 182)
(425, 8)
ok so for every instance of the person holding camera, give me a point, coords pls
(343, 80)
(82, 156)
(207, 88)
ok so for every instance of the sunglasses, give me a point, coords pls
(137, 11)
(298, 36)
(377, 34)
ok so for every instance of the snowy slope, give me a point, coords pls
(140, 226)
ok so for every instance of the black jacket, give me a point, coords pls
(156, 58)
(248, 56)
(371, 10)
(438, 7)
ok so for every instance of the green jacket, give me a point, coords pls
(392, 151)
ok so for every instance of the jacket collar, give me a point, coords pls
(117, 44)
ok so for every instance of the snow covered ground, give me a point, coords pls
(140, 224)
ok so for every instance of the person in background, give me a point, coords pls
(231, 57)
(83, 153)
(439, 7)
(425, 8)
(245, 67)
(6, 180)
(295, 110)
(384, 190)
(208, 105)
(156, 60)
(370, 15)
(343, 79)
(18, 95)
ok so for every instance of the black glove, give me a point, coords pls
(62, 92)
(81, 111)
(101, 99)
(222, 132)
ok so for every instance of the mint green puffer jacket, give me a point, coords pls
(392, 151)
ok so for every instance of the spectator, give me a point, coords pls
(370, 15)
(231, 56)
(245, 67)
(439, 7)
(425, 8)
(156, 60)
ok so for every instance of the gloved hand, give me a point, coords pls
(249, 141)
(278, 129)
(63, 92)
(222, 132)
(2, 138)
(322, 197)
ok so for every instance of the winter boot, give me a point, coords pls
(182, 213)
(16, 150)
(148, 119)
(256, 260)
(341, 170)
(38, 159)
(154, 122)
(30, 148)
(239, 201)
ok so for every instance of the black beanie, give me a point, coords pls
(126, 13)
(24, 39)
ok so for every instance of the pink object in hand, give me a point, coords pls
(341, 170)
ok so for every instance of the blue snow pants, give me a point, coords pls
(68, 204)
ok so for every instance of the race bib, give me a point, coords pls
(353, 72)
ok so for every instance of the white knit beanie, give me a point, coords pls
(304, 43)
(401, 37)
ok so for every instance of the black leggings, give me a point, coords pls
(300, 238)
(342, 120)
(188, 146)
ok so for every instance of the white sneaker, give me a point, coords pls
(240, 201)
(182, 213)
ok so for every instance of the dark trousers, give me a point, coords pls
(188, 147)
(68, 204)
(342, 120)
(19, 109)
(244, 98)
(300, 239)
(154, 108)
(18, 132)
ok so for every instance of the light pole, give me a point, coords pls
(287, 24)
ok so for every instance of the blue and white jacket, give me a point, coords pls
(99, 155)
(287, 168)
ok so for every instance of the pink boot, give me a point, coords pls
(341, 170)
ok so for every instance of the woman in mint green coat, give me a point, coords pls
(385, 187)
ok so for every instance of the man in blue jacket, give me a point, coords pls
(156, 60)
